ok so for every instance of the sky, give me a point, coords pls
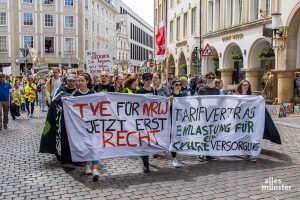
(144, 8)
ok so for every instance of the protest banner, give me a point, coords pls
(98, 61)
(108, 125)
(218, 125)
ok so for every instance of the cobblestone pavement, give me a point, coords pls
(24, 173)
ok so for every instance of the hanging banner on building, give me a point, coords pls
(161, 43)
(108, 125)
(98, 61)
(218, 125)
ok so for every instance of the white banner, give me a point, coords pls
(108, 125)
(218, 125)
(98, 61)
(7, 70)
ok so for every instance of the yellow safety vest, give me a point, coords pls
(15, 98)
(30, 93)
(129, 91)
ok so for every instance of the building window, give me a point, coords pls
(49, 45)
(93, 27)
(178, 28)
(231, 12)
(28, 42)
(26, 1)
(172, 3)
(49, 20)
(69, 45)
(268, 7)
(86, 24)
(69, 2)
(171, 31)
(69, 22)
(185, 24)
(87, 45)
(98, 28)
(3, 44)
(256, 9)
(27, 19)
(48, 2)
(3, 19)
(240, 11)
(2, 1)
(210, 21)
(193, 21)
(87, 4)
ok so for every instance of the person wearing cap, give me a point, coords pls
(146, 89)
(5, 89)
(104, 86)
(59, 96)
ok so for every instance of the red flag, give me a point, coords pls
(161, 43)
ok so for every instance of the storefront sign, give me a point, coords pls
(183, 43)
(233, 37)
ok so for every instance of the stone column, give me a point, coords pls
(226, 76)
(285, 85)
(252, 75)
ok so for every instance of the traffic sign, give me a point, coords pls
(207, 51)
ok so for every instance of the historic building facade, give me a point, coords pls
(139, 37)
(183, 30)
(239, 33)
(59, 31)
(236, 32)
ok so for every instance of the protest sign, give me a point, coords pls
(43, 70)
(98, 61)
(108, 125)
(7, 70)
(218, 125)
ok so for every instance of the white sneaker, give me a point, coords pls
(88, 170)
(96, 174)
(176, 163)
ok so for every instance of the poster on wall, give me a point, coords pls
(98, 61)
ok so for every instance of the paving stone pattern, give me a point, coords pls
(27, 174)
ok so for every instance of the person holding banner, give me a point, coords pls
(84, 85)
(209, 89)
(146, 89)
(176, 92)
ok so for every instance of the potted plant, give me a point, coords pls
(266, 53)
(216, 58)
(236, 56)
(183, 66)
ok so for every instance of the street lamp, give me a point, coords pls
(279, 32)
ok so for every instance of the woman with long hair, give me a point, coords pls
(84, 88)
(118, 84)
(244, 88)
(130, 86)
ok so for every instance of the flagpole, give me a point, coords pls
(166, 27)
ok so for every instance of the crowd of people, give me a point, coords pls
(22, 93)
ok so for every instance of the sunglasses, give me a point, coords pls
(104, 76)
(211, 78)
(148, 79)
(177, 85)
